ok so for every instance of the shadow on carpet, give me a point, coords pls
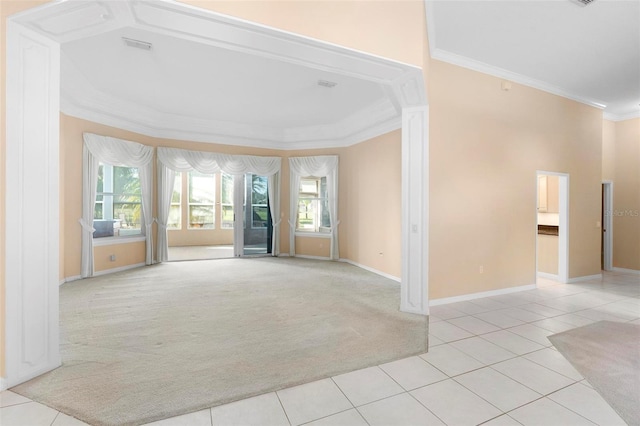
(607, 354)
(174, 338)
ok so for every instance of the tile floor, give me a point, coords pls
(489, 362)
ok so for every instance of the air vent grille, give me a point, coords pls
(326, 83)
(137, 43)
(584, 2)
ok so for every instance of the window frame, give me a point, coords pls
(319, 231)
(109, 169)
(179, 176)
(189, 203)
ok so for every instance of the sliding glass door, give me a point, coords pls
(253, 224)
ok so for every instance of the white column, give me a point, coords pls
(415, 210)
(32, 205)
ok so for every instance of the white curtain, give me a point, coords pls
(116, 152)
(89, 188)
(166, 180)
(182, 160)
(317, 166)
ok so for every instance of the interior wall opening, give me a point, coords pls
(552, 227)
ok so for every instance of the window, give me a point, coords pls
(175, 211)
(201, 200)
(313, 206)
(118, 207)
(226, 201)
(259, 197)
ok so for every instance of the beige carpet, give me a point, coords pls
(178, 337)
(607, 354)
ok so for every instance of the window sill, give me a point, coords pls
(110, 241)
(313, 234)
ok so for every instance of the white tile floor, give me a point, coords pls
(489, 362)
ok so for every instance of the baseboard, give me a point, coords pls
(119, 269)
(370, 269)
(472, 296)
(70, 279)
(585, 278)
(3, 384)
(305, 256)
(627, 271)
(548, 276)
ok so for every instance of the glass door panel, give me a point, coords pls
(253, 224)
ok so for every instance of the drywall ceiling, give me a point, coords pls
(182, 77)
(588, 53)
(213, 78)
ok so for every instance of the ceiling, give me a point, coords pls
(587, 53)
(213, 78)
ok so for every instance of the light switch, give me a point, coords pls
(414, 228)
(598, 224)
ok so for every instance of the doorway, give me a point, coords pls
(552, 226)
(606, 259)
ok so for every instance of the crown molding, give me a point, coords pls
(485, 68)
(621, 117)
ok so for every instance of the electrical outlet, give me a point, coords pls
(481, 269)
(112, 258)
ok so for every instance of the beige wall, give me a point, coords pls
(485, 146)
(626, 195)
(371, 206)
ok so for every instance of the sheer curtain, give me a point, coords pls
(116, 152)
(317, 166)
(172, 160)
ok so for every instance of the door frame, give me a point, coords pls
(563, 224)
(607, 224)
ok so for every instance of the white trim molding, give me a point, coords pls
(119, 269)
(584, 278)
(547, 276)
(3, 384)
(480, 295)
(626, 271)
(70, 279)
(414, 290)
(32, 205)
(370, 269)
(114, 241)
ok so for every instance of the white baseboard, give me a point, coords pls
(119, 269)
(472, 296)
(3, 384)
(304, 256)
(375, 271)
(70, 279)
(627, 271)
(585, 278)
(548, 276)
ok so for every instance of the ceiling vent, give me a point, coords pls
(326, 83)
(583, 2)
(137, 43)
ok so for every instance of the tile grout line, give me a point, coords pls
(281, 405)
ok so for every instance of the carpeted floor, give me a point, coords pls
(178, 337)
(607, 354)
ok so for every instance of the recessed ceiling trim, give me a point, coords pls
(482, 67)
